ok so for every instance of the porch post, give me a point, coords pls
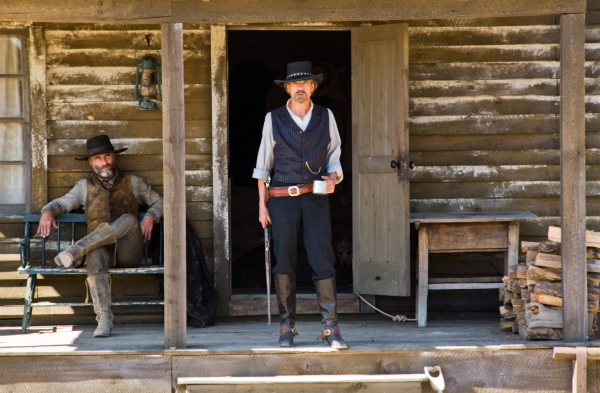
(572, 176)
(174, 184)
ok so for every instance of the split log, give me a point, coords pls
(525, 293)
(505, 311)
(529, 246)
(554, 288)
(506, 323)
(522, 283)
(541, 333)
(530, 256)
(593, 278)
(550, 247)
(512, 272)
(550, 300)
(592, 239)
(548, 260)
(539, 315)
(592, 253)
(536, 273)
(521, 270)
(516, 288)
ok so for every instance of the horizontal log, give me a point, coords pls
(515, 189)
(195, 110)
(489, 157)
(494, 35)
(541, 333)
(84, 129)
(487, 22)
(58, 39)
(114, 93)
(486, 173)
(538, 206)
(499, 105)
(192, 178)
(253, 11)
(484, 142)
(483, 53)
(130, 163)
(514, 87)
(117, 58)
(489, 124)
(113, 75)
(134, 146)
(550, 247)
(592, 239)
(546, 299)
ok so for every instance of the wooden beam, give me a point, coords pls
(274, 11)
(39, 126)
(220, 151)
(174, 185)
(572, 168)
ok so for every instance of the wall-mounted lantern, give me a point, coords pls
(147, 84)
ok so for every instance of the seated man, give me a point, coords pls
(111, 200)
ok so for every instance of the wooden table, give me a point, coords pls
(464, 232)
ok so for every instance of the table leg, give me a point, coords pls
(511, 256)
(422, 276)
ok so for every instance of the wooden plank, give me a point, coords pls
(39, 128)
(509, 189)
(422, 276)
(130, 163)
(244, 307)
(193, 178)
(467, 236)
(487, 124)
(220, 150)
(573, 207)
(196, 60)
(174, 175)
(580, 371)
(536, 174)
(462, 217)
(255, 11)
(489, 157)
(514, 87)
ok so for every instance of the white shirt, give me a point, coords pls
(265, 159)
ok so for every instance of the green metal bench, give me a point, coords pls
(42, 269)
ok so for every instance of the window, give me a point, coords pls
(14, 126)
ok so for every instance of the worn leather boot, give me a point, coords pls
(327, 299)
(99, 286)
(102, 236)
(285, 286)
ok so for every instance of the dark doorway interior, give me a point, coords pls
(256, 59)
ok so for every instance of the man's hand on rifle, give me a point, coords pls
(263, 215)
(47, 221)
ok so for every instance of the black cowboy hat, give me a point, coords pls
(99, 145)
(299, 71)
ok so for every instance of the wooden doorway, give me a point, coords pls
(256, 58)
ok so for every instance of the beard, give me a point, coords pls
(106, 171)
(300, 98)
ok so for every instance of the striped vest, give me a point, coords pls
(300, 156)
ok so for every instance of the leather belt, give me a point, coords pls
(296, 190)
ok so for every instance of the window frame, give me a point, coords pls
(24, 120)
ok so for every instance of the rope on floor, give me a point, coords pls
(397, 318)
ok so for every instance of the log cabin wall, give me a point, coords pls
(90, 73)
(484, 127)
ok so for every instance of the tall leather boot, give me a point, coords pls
(102, 236)
(100, 290)
(285, 286)
(327, 299)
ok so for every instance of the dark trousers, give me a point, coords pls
(307, 216)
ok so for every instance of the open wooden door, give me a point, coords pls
(381, 236)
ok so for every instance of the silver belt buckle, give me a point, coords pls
(291, 188)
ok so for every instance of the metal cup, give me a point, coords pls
(320, 187)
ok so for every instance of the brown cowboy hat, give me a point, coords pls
(99, 145)
(299, 71)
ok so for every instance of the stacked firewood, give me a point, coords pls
(532, 293)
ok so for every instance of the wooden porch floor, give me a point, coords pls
(245, 334)
(473, 354)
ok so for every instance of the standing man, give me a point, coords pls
(111, 200)
(300, 144)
